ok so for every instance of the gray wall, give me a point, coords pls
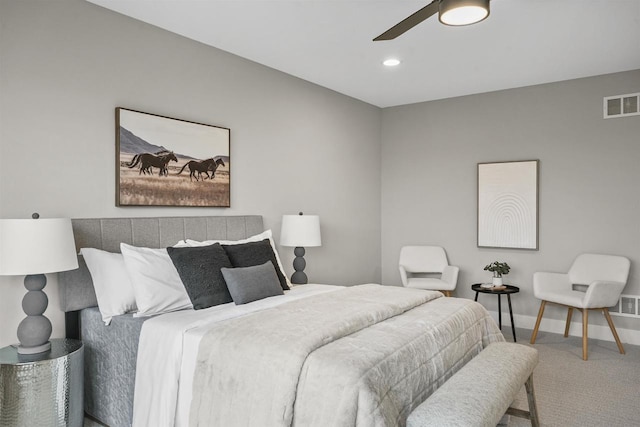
(589, 179)
(66, 65)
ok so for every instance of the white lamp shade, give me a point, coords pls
(300, 230)
(35, 246)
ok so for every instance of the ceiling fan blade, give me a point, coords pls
(410, 22)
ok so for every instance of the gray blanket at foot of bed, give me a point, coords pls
(362, 356)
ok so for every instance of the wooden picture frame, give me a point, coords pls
(162, 161)
(508, 204)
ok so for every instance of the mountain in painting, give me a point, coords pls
(131, 143)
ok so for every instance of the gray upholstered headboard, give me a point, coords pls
(76, 287)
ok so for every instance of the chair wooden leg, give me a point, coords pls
(531, 398)
(535, 330)
(585, 323)
(566, 328)
(613, 329)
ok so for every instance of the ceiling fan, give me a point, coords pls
(450, 12)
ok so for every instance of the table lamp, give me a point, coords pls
(33, 247)
(299, 231)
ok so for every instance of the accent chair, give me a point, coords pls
(419, 264)
(604, 275)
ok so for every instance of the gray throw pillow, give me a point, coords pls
(247, 284)
(255, 253)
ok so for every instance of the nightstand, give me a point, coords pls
(44, 390)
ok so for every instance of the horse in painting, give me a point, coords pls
(200, 167)
(148, 161)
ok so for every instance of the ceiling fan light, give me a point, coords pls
(463, 12)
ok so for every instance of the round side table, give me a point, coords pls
(509, 289)
(45, 389)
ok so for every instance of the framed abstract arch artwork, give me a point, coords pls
(508, 204)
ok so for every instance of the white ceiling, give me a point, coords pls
(329, 42)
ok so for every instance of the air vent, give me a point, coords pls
(621, 105)
(628, 305)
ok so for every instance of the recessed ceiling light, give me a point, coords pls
(391, 62)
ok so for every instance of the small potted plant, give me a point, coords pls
(498, 269)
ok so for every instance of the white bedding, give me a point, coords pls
(168, 350)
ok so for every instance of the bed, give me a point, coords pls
(317, 355)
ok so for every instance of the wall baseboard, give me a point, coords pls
(556, 326)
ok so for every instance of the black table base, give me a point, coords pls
(510, 289)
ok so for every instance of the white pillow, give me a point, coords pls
(256, 238)
(114, 291)
(156, 283)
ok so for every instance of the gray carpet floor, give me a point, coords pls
(601, 392)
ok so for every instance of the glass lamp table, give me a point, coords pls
(508, 290)
(45, 389)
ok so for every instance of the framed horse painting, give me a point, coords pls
(161, 161)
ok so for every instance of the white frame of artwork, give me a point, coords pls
(508, 204)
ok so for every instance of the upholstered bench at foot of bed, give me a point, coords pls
(481, 392)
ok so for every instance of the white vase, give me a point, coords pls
(497, 281)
